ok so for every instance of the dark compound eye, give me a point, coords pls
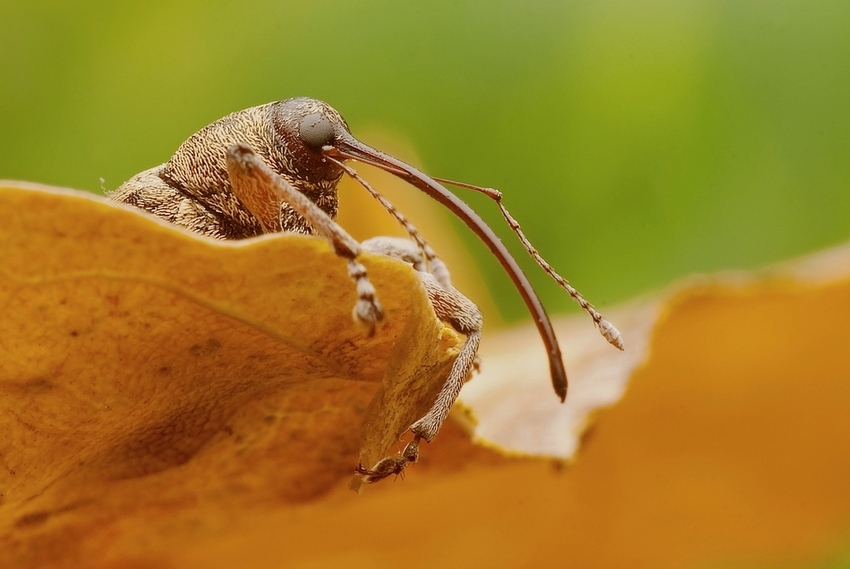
(316, 131)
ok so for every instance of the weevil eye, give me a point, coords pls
(316, 131)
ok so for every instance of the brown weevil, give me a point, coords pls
(275, 168)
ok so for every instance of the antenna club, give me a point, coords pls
(610, 333)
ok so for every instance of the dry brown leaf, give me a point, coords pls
(143, 368)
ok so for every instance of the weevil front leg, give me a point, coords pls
(462, 314)
(262, 191)
(391, 464)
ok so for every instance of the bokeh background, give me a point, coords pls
(637, 141)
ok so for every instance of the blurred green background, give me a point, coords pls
(638, 141)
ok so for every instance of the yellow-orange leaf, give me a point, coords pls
(143, 368)
(729, 446)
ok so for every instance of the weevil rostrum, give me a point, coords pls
(275, 168)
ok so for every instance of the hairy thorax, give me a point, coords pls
(193, 188)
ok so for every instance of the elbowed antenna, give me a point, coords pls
(345, 146)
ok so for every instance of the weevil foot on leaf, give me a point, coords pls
(391, 464)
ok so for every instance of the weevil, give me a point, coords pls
(275, 168)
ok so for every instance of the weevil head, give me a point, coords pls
(304, 126)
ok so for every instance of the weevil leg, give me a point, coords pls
(263, 191)
(461, 313)
(397, 248)
(454, 308)
(450, 306)
(391, 464)
(423, 259)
